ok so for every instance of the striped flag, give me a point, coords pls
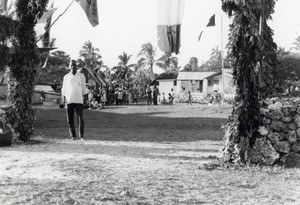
(91, 10)
(211, 22)
(169, 19)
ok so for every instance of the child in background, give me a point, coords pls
(94, 104)
(171, 99)
(164, 101)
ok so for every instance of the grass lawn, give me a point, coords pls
(136, 154)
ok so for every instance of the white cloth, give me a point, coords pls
(170, 12)
(74, 88)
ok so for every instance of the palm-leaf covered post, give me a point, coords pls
(22, 62)
(253, 60)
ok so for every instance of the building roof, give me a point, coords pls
(44, 88)
(167, 75)
(227, 72)
(193, 75)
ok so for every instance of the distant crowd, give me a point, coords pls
(100, 97)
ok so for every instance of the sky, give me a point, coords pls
(125, 25)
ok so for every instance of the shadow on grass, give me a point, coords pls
(143, 127)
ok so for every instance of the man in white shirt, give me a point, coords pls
(74, 94)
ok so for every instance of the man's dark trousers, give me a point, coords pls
(70, 114)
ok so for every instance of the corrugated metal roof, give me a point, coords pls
(193, 75)
(227, 72)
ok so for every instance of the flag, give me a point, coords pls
(169, 19)
(211, 22)
(91, 10)
(47, 15)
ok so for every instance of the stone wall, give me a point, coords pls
(279, 133)
(8, 123)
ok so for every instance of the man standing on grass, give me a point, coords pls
(74, 94)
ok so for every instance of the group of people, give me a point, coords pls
(157, 97)
(100, 97)
(97, 97)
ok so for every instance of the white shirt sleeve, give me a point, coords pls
(63, 89)
(84, 89)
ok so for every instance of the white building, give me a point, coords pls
(200, 84)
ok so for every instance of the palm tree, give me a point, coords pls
(91, 60)
(90, 55)
(192, 65)
(168, 63)
(147, 57)
(123, 70)
(297, 44)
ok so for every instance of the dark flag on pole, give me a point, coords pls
(212, 22)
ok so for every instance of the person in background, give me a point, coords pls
(216, 87)
(90, 95)
(42, 98)
(149, 95)
(119, 96)
(134, 98)
(94, 104)
(164, 101)
(103, 96)
(155, 94)
(173, 95)
(74, 95)
(189, 98)
(170, 99)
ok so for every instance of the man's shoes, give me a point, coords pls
(73, 138)
(81, 139)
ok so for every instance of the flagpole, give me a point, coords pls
(55, 21)
(260, 31)
(222, 56)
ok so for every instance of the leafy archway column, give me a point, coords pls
(247, 50)
(24, 60)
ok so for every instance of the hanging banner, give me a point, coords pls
(169, 19)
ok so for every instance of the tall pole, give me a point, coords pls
(222, 56)
(261, 31)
